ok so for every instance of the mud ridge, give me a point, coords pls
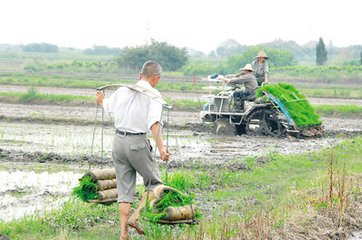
(43, 157)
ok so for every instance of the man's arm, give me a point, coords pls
(157, 135)
(239, 80)
(100, 98)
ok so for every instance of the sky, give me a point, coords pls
(197, 24)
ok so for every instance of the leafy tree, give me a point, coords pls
(321, 53)
(170, 57)
(101, 50)
(360, 58)
(41, 48)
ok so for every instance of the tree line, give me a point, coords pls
(227, 58)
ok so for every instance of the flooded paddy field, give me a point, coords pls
(187, 145)
(28, 190)
(41, 163)
(46, 151)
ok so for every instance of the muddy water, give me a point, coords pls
(186, 145)
(26, 192)
(62, 139)
(356, 236)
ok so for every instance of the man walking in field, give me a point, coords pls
(135, 114)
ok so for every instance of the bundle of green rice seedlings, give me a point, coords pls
(160, 209)
(174, 199)
(86, 190)
(295, 102)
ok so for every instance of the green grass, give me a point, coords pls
(22, 79)
(325, 74)
(296, 103)
(93, 80)
(339, 110)
(33, 97)
(278, 189)
(332, 92)
(185, 104)
(86, 81)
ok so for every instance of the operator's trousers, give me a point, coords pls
(132, 154)
(243, 94)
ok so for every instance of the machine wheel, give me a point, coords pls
(240, 129)
(223, 127)
(263, 122)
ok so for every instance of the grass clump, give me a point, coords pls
(75, 215)
(295, 102)
(29, 96)
(181, 180)
(86, 190)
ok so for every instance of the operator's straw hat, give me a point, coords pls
(262, 54)
(247, 67)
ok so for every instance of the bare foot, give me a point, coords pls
(135, 225)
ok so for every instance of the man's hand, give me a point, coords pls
(164, 154)
(100, 98)
(226, 80)
(157, 135)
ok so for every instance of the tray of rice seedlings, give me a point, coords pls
(296, 103)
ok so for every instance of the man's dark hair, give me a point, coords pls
(151, 68)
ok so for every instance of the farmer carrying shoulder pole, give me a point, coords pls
(135, 114)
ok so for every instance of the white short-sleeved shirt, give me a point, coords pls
(133, 111)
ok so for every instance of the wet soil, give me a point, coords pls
(73, 143)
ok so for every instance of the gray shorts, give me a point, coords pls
(132, 154)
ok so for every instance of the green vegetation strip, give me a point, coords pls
(281, 186)
(339, 110)
(333, 92)
(296, 103)
(33, 97)
(86, 82)
(330, 74)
